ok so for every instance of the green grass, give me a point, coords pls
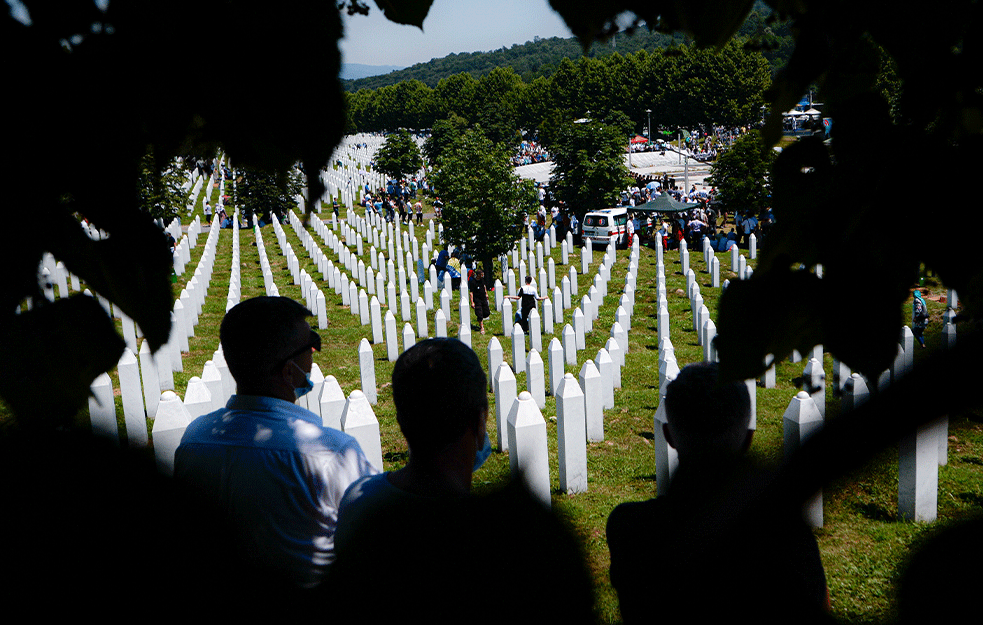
(862, 543)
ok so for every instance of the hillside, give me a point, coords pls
(541, 57)
(531, 59)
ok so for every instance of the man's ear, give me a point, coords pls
(668, 435)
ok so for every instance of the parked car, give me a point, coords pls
(606, 225)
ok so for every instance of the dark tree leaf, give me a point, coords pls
(771, 313)
(590, 20)
(131, 268)
(61, 347)
(411, 12)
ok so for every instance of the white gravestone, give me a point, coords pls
(366, 365)
(570, 427)
(505, 394)
(605, 366)
(495, 357)
(801, 420)
(197, 398)
(392, 340)
(332, 402)
(918, 475)
(440, 324)
(528, 450)
(518, 348)
(150, 379)
(102, 408)
(666, 458)
(618, 358)
(359, 421)
(590, 384)
(569, 346)
(536, 378)
(556, 365)
(169, 426)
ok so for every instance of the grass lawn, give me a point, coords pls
(862, 542)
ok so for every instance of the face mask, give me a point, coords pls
(482, 455)
(300, 391)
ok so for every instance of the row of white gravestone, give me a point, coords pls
(352, 415)
(358, 300)
(589, 373)
(185, 243)
(921, 452)
(580, 405)
(142, 380)
(210, 392)
(356, 303)
(525, 435)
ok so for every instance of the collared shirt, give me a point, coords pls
(279, 475)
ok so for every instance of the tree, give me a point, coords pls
(742, 174)
(399, 156)
(265, 193)
(444, 134)
(484, 201)
(589, 166)
(161, 192)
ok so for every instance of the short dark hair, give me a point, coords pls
(707, 417)
(259, 332)
(439, 392)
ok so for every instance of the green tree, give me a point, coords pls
(443, 135)
(457, 94)
(742, 175)
(498, 96)
(266, 193)
(484, 201)
(160, 189)
(399, 156)
(589, 166)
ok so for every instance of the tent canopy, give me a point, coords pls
(663, 203)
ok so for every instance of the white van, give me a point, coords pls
(606, 225)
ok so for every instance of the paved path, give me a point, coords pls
(641, 162)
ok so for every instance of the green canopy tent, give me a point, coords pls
(663, 203)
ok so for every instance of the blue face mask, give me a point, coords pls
(300, 391)
(483, 454)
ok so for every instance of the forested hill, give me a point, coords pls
(541, 57)
(533, 58)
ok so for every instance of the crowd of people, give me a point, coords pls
(529, 152)
(399, 200)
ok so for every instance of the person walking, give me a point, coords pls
(479, 298)
(919, 317)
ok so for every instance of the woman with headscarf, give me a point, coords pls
(919, 317)
(479, 298)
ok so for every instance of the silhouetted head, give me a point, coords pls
(268, 345)
(439, 392)
(707, 418)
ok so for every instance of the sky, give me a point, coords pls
(452, 26)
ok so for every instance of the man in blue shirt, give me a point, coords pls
(267, 464)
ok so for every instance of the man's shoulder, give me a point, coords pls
(266, 423)
(636, 516)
